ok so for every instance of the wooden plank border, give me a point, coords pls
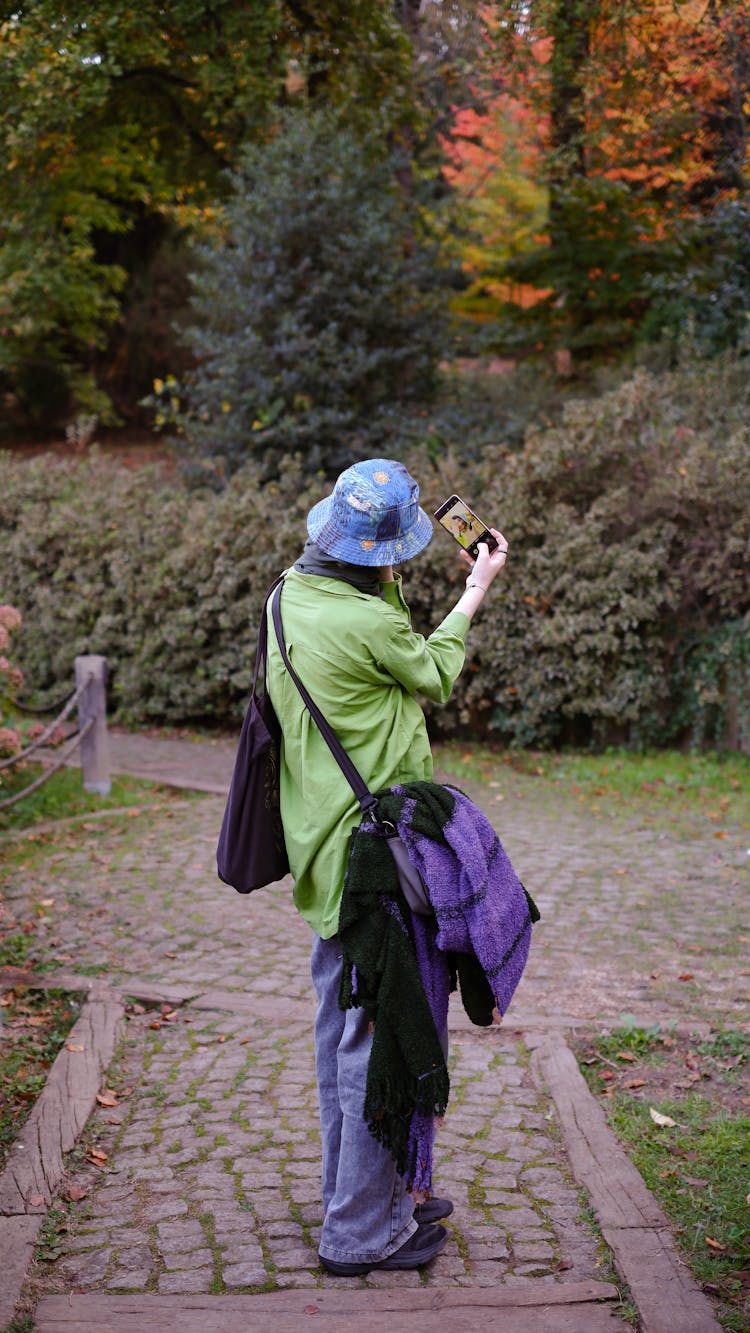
(36, 1163)
(535, 1308)
(632, 1222)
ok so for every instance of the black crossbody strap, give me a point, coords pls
(261, 650)
(362, 792)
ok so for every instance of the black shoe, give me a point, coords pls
(424, 1245)
(432, 1210)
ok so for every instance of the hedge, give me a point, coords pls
(623, 614)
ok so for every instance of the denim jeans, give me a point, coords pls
(367, 1211)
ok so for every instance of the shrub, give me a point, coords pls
(11, 680)
(164, 582)
(628, 525)
(623, 615)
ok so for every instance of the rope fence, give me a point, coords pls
(90, 737)
(38, 708)
(39, 742)
(53, 768)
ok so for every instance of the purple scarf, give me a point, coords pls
(481, 908)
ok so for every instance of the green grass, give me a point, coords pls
(716, 786)
(35, 1026)
(710, 1218)
(63, 796)
(699, 1167)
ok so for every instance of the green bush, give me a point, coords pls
(164, 582)
(623, 614)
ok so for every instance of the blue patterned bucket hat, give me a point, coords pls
(372, 516)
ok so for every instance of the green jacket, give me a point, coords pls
(363, 664)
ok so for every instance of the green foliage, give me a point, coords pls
(622, 615)
(317, 311)
(117, 132)
(115, 127)
(600, 273)
(709, 292)
(166, 583)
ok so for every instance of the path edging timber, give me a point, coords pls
(36, 1163)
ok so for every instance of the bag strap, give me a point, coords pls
(367, 800)
(262, 648)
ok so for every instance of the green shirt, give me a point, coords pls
(363, 664)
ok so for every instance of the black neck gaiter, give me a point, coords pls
(365, 578)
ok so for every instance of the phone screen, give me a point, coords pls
(463, 525)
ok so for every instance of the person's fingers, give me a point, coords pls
(502, 543)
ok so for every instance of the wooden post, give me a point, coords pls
(93, 704)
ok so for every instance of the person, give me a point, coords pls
(464, 527)
(348, 633)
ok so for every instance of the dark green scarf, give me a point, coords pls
(407, 1070)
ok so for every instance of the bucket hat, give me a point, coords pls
(372, 516)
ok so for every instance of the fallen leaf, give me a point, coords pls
(626, 1055)
(695, 1181)
(75, 1193)
(35, 1200)
(106, 1098)
(659, 1119)
(714, 1244)
(312, 1309)
(156, 1024)
(636, 1083)
(221, 1040)
(685, 976)
(72, 1046)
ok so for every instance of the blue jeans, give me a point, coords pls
(367, 1211)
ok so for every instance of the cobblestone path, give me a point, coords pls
(211, 1176)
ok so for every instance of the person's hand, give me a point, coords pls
(487, 566)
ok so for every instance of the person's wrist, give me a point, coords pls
(474, 583)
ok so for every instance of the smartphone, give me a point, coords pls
(462, 523)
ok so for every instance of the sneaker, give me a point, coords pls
(424, 1245)
(432, 1210)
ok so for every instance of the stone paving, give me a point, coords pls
(211, 1179)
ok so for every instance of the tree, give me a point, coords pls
(120, 122)
(640, 115)
(319, 313)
